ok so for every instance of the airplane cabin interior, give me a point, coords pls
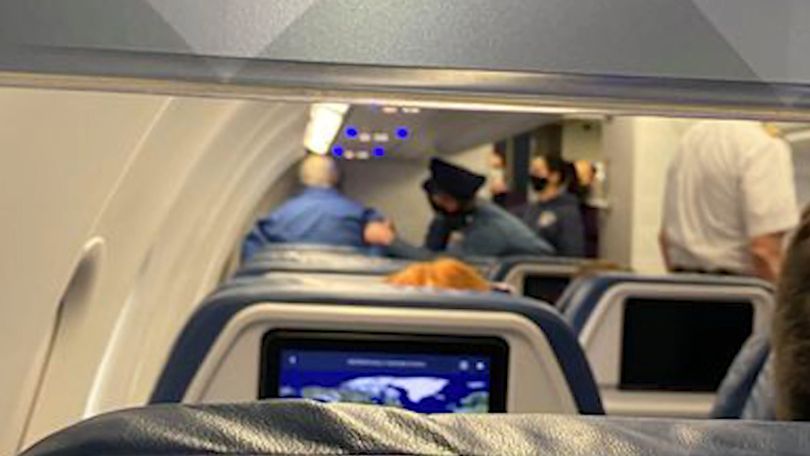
(150, 286)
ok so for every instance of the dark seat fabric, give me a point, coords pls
(736, 388)
(306, 428)
(211, 317)
(582, 295)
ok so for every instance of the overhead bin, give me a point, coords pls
(660, 57)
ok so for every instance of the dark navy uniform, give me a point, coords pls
(558, 221)
(316, 216)
(488, 231)
(481, 229)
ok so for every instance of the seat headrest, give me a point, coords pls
(506, 264)
(582, 295)
(307, 428)
(308, 258)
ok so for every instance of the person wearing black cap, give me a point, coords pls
(464, 225)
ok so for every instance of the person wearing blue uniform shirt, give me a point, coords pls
(555, 215)
(463, 225)
(320, 214)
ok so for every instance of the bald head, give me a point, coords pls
(318, 171)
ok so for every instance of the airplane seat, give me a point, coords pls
(580, 301)
(539, 277)
(312, 258)
(303, 427)
(744, 392)
(761, 405)
(661, 345)
(283, 250)
(246, 338)
(316, 260)
(578, 286)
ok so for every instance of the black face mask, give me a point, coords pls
(453, 220)
(539, 183)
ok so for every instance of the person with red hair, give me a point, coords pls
(447, 273)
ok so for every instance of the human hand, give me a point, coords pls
(379, 232)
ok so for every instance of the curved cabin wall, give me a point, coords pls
(168, 185)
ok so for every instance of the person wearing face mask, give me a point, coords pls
(464, 225)
(555, 214)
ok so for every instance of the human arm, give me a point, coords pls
(383, 234)
(663, 244)
(769, 198)
(257, 238)
(522, 240)
(438, 235)
(766, 255)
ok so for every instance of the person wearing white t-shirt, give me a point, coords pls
(729, 200)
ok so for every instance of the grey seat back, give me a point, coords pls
(222, 335)
(660, 345)
(747, 389)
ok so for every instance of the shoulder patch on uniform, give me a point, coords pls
(546, 218)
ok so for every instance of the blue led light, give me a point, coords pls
(352, 132)
(337, 151)
(402, 132)
(378, 151)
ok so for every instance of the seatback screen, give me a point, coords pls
(681, 345)
(545, 288)
(422, 374)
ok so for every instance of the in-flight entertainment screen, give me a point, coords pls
(423, 374)
(676, 345)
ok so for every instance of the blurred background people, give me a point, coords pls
(320, 214)
(555, 214)
(729, 199)
(581, 185)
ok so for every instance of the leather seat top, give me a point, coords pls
(306, 428)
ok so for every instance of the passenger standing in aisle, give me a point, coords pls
(320, 214)
(729, 199)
